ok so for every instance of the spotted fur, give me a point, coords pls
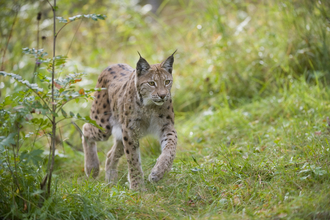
(135, 103)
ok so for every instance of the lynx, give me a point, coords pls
(135, 103)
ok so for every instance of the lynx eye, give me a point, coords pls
(152, 83)
(167, 82)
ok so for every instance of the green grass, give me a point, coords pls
(267, 159)
(251, 112)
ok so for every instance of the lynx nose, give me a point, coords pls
(162, 96)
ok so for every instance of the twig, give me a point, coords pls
(73, 147)
(78, 129)
(50, 5)
(41, 99)
(59, 129)
(62, 28)
(74, 36)
(35, 137)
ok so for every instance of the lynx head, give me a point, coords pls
(154, 82)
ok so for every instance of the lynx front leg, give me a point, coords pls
(132, 151)
(164, 162)
(113, 157)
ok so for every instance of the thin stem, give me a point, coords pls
(62, 142)
(61, 106)
(65, 124)
(62, 28)
(35, 137)
(15, 155)
(50, 152)
(61, 120)
(50, 5)
(74, 36)
(17, 145)
(53, 104)
(42, 100)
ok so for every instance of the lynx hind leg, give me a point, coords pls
(91, 136)
(113, 156)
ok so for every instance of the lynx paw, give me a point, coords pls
(94, 170)
(155, 177)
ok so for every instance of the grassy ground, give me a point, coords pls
(267, 159)
(251, 99)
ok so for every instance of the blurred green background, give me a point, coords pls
(228, 51)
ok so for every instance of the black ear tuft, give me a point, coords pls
(142, 66)
(168, 63)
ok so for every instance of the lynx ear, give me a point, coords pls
(168, 63)
(142, 66)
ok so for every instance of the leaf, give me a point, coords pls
(64, 113)
(57, 85)
(59, 60)
(71, 78)
(91, 121)
(18, 78)
(194, 159)
(71, 114)
(36, 53)
(95, 17)
(102, 17)
(7, 141)
(195, 169)
(34, 156)
(38, 191)
(75, 17)
(81, 92)
(62, 20)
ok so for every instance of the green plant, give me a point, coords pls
(38, 106)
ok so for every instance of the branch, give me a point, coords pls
(50, 5)
(62, 28)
